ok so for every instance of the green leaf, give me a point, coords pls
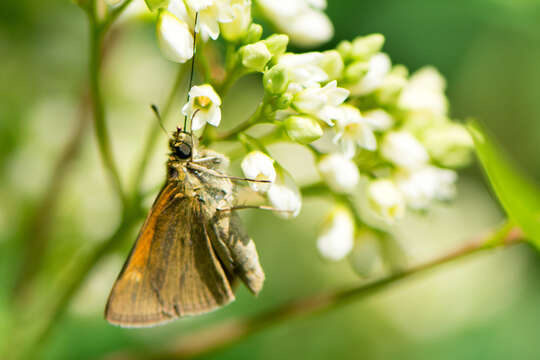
(154, 5)
(518, 194)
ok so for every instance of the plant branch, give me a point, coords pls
(98, 108)
(230, 332)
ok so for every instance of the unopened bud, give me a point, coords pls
(366, 46)
(303, 129)
(254, 33)
(345, 49)
(237, 28)
(332, 64)
(276, 79)
(277, 44)
(255, 56)
(356, 71)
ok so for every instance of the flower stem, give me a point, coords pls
(232, 331)
(98, 108)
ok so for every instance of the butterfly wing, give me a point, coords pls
(172, 270)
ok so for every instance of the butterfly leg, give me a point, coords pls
(220, 175)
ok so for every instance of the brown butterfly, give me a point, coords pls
(191, 247)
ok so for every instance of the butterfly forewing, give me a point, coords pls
(172, 270)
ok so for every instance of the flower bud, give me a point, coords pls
(393, 83)
(284, 101)
(345, 49)
(154, 5)
(237, 28)
(448, 144)
(174, 38)
(336, 237)
(277, 44)
(356, 71)
(303, 129)
(255, 56)
(339, 172)
(366, 257)
(276, 79)
(254, 33)
(332, 64)
(386, 200)
(366, 46)
(404, 150)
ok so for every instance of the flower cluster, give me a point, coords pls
(374, 129)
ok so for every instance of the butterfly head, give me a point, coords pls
(181, 145)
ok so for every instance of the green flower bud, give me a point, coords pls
(303, 129)
(364, 47)
(277, 44)
(345, 49)
(276, 79)
(356, 71)
(284, 101)
(332, 64)
(154, 5)
(255, 56)
(448, 144)
(392, 85)
(254, 34)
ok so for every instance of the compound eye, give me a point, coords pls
(183, 151)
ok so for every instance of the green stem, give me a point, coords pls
(153, 134)
(233, 331)
(100, 126)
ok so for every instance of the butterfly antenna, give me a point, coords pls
(158, 116)
(192, 67)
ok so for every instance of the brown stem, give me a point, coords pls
(232, 331)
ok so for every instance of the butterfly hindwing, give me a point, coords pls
(172, 270)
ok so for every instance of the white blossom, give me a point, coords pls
(304, 69)
(402, 149)
(379, 67)
(302, 20)
(235, 29)
(174, 38)
(386, 200)
(336, 238)
(425, 92)
(339, 172)
(427, 184)
(285, 196)
(321, 102)
(352, 131)
(259, 166)
(203, 107)
(378, 119)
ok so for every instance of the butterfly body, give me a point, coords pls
(189, 251)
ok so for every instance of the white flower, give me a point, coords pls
(402, 149)
(429, 183)
(211, 14)
(386, 200)
(321, 102)
(304, 69)
(237, 28)
(353, 131)
(259, 166)
(336, 238)
(285, 196)
(174, 38)
(425, 91)
(339, 172)
(203, 107)
(378, 119)
(379, 67)
(302, 20)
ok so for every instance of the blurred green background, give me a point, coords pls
(480, 308)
